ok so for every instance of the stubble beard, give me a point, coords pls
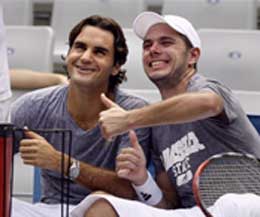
(170, 81)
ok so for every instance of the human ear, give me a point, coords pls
(194, 56)
(115, 69)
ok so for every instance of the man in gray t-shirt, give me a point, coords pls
(47, 109)
(97, 50)
(197, 118)
(180, 148)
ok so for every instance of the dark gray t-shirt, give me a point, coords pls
(46, 109)
(179, 149)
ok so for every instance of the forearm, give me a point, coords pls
(165, 204)
(101, 179)
(179, 109)
(96, 178)
(27, 79)
(170, 198)
(169, 201)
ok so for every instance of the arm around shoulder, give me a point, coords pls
(182, 108)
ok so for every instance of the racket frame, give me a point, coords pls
(199, 171)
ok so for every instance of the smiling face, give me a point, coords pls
(165, 55)
(90, 60)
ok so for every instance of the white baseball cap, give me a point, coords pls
(145, 20)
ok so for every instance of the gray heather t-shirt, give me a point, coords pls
(179, 149)
(46, 109)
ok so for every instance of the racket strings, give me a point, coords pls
(229, 175)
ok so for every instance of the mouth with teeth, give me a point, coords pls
(85, 69)
(158, 64)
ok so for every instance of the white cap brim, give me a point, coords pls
(144, 21)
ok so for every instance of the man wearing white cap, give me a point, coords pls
(197, 118)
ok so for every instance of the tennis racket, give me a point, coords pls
(225, 173)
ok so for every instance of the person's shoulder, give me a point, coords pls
(199, 82)
(129, 100)
(40, 96)
(30, 108)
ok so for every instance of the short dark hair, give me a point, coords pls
(120, 46)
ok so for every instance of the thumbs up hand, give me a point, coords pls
(108, 102)
(131, 162)
(114, 120)
(36, 151)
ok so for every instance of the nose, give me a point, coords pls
(86, 56)
(155, 48)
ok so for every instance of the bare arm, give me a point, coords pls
(38, 152)
(28, 79)
(96, 179)
(183, 108)
(179, 109)
(170, 199)
(106, 180)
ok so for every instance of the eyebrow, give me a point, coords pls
(106, 50)
(167, 38)
(78, 43)
(146, 41)
(162, 38)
